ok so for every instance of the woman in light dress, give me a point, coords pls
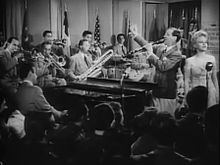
(196, 73)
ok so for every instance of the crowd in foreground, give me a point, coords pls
(98, 135)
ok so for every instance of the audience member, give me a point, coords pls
(164, 130)
(142, 127)
(212, 135)
(191, 140)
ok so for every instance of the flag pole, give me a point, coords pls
(61, 18)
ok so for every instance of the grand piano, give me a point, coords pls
(133, 96)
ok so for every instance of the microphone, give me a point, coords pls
(209, 66)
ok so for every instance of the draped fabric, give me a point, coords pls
(155, 22)
(129, 42)
(162, 19)
(14, 18)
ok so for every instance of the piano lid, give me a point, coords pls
(112, 86)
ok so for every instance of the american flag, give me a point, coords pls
(97, 30)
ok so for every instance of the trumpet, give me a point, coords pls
(144, 47)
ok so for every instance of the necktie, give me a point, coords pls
(86, 61)
(123, 51)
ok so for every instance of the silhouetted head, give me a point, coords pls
(197, 99)
(164, 128)
(102, 116)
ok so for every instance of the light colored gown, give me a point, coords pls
(196, 73)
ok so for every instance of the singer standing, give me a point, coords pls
(196, 71)
(166, 60)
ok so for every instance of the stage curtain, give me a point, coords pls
(14, 18)
(156, 21)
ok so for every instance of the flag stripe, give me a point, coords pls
(97, 30)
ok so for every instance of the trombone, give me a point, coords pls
(58, 62)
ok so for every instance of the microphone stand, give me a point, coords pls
(208, 68)
(122, 91)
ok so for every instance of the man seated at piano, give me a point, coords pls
(46, 70)
(120, 48)
(80, 62)
(30, 98)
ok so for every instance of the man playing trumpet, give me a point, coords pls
(46, 70)
(166, 60)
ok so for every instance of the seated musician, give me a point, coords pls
(8, 68)
(94, 49)
(57, 48)
(46, 71)
(48, 37)
(120, 48)
(81, 61)
(29, 97)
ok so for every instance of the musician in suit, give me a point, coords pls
(166, 60)
(46, 71)
(80, 62)
(48, 37)
(120, 48)
(29, 97)
(8, 68)
(94, 49)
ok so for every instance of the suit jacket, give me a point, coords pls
(8, 64)
(30, 98)
(78, 64)
(59, 51)
(118, 50)
(166, 70)
(8, 69)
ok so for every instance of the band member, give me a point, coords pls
(46, 71)
(29, 97)
(81, 61)
(166, 61)
(8, 68)
(94, 49)
(120, 48)
(48, 37)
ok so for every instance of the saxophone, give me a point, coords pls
(95, 69)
